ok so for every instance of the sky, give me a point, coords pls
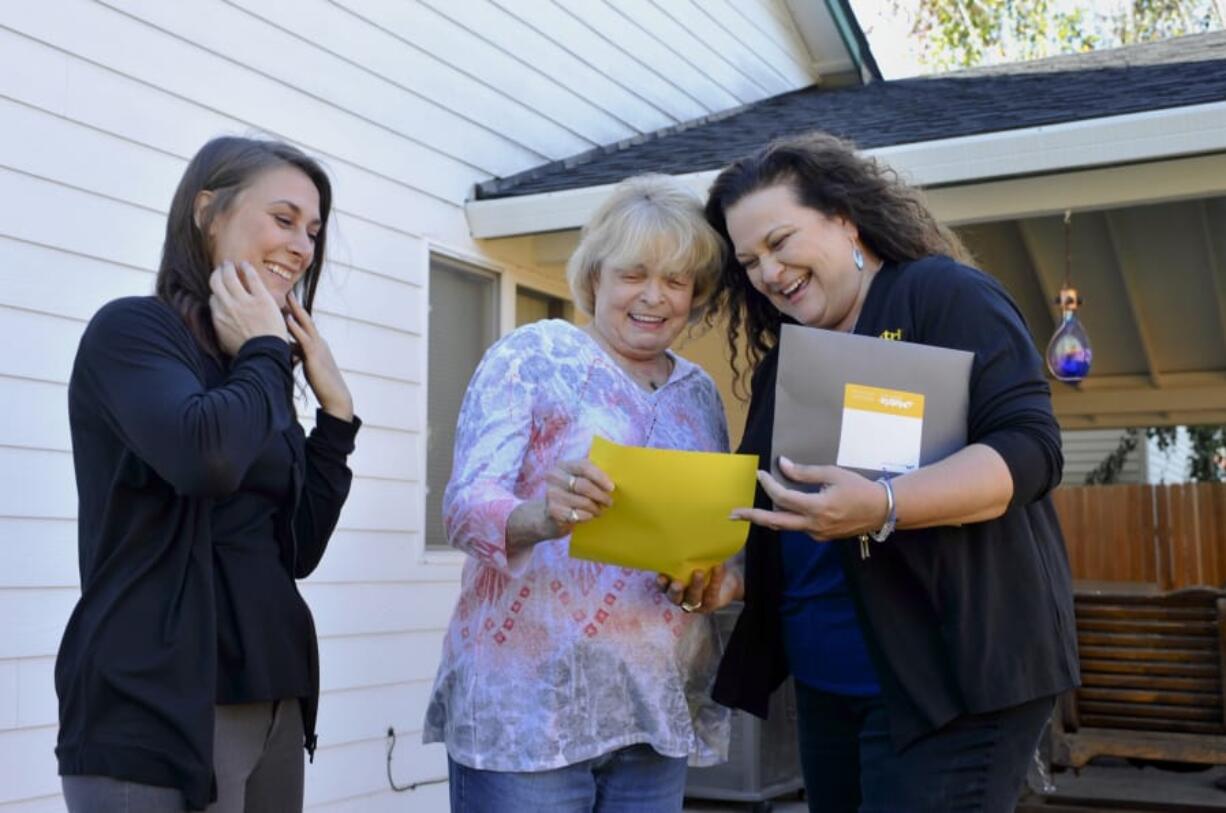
(889, 36)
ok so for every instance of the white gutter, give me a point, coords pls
(1132, 138)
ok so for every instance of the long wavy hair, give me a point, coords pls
(226, 166)
(827, 175)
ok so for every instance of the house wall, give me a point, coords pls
(408, 104)
(1170, 466)
(1084, 449)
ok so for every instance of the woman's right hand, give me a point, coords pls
(576, 491)
(242, 308)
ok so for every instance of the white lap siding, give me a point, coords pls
(408, 104)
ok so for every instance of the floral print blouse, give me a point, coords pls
(550, 660)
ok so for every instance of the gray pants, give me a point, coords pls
(257, 756)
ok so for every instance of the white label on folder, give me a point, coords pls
(881, 429)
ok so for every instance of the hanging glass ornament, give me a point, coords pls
(1069, 352)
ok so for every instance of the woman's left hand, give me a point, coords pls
(846, 506)
(322, 374)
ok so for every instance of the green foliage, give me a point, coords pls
(1206, 457)
(961, 33)
(1148, 20)
(1108, 471)
(964, 33)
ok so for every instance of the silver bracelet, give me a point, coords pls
(891, 515)
(891, 518)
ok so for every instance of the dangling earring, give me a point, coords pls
(857, 257)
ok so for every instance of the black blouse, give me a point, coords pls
(163, 438)
(958, 619)
(263, 626)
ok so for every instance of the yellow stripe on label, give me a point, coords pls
(876, 399)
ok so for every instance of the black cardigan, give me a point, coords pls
(958, 619)
(159, 430)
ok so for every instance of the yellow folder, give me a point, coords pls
(670, 509)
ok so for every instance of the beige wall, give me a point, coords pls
(709, 349)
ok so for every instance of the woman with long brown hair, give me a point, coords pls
(188, 672)
(925, 672)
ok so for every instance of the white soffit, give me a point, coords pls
(820, 34)
(1013, 154)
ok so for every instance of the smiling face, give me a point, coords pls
(799, 258)
(272, 224)
(640, 311)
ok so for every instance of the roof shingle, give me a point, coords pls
(1171, 73)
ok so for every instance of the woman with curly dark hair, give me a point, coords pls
(924, 673)
(188, 673)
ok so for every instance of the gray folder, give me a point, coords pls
(815, 366)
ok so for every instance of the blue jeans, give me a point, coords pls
(976, 762)
(634, 779)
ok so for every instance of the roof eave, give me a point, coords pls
(1126, 139)
(854, 41)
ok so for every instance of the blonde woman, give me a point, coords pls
(567, 685)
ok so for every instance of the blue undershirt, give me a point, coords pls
(821, 634)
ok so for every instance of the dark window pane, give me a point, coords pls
(463, 323)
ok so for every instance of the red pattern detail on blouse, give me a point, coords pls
(489, 585)
(586, 574)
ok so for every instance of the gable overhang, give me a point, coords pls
(1160, 336)
(950, 170)
(838, 49)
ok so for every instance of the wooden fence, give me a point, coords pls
(1171, 536)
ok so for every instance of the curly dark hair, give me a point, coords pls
(226, 166)
(827, 175)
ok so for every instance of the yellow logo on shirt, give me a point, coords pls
(892, 335)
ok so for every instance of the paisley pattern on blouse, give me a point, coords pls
(551, 660)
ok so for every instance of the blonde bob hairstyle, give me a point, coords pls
(653, 221)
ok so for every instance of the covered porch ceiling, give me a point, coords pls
(1148, 248)
(1153, 281)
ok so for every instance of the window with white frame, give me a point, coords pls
(463, 322)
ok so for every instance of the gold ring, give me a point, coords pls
(687, 607)
(570, 484)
